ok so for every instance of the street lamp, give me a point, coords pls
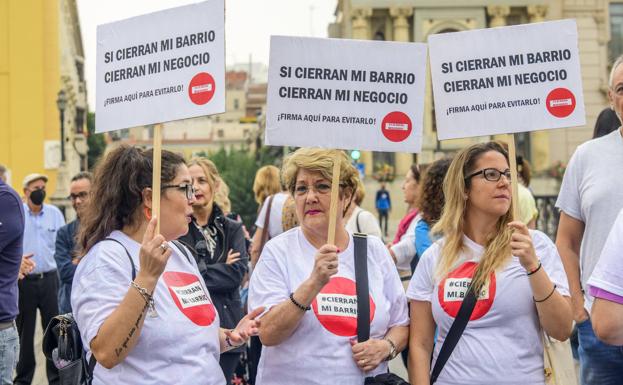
(61, 103)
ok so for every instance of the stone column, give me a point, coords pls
(537, 13)
(361, 23)
(498, 15)
(401, 24)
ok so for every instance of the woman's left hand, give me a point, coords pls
(368, 355)
(247, 327)
(522, 247)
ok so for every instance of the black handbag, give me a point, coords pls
(363, 307)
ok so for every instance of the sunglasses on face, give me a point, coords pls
(188, 189)
(491, 174)
(82, 195)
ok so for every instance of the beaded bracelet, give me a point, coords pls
(546, 298)
(304, 308)
(535, 270)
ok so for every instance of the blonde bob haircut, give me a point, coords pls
(451, 224)
(321, 161)
(266, 183)
(210, 171)
(360, 193)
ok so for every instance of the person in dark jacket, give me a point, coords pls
(219, 247)
(79, 191)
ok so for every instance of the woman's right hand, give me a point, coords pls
(325, 265)
(153, 258)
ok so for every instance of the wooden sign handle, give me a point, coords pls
(155, 179)
(513, 166)
(335, 189)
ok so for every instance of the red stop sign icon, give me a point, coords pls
(396, 126)
(336, 307)
(560, 102)
(201, 88)
(453, 289)
(190, 297)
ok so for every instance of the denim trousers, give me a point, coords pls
(600, 364)
(9, 352)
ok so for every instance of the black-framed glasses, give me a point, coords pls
(319, 188)
(188, 189)
(491, 174)
(82, 195)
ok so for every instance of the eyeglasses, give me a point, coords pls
(188, 189)
(82, 195)
(491, 174)
(320, 188)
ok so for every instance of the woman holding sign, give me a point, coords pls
(139, 300)
(308, 287)
(517, 274)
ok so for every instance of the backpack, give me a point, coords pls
(62, 343)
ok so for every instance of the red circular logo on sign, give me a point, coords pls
(201, 88)
(560, 102)
(453, 289)
(336, 307)
(396, 126)
(190, 297)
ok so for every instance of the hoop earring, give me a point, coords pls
(147, 212)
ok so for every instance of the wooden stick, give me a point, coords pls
(155, 179)
(335, 189)
(513, 166)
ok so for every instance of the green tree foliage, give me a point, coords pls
(96, 142)
(237, 168)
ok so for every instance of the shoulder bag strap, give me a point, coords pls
(454, 334)
(357, 221)
(92, 360)
(264, 238)
(180, 246)
(361, 283)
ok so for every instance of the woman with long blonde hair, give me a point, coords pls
(515, 274)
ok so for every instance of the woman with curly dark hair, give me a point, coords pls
(430, 205)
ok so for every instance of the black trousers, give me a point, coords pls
(228, 362)
(383, 218)
(35, 292)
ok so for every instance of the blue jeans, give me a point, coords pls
(9, 351)
(600, 364)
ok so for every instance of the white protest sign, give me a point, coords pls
(161, 66)
(506, 80)
(346, 94)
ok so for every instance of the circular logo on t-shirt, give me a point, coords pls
(560, 102)
(190, 298)
(453, 289)
(336, 307)
(396, 126)
(201, 88)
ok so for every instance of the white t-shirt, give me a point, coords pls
(275, 226)
(608, 274)
(319, 351)
(502, 342)
(367, 223)
(179, 346)
(404, 250)
(592, 192)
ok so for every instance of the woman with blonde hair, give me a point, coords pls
(219, 246)
(359, 220)
(513, 279)
(266, 183)
(308, 287)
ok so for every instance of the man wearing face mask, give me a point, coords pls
(38, 290)
(79, 190)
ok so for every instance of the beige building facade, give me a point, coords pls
(415, 20)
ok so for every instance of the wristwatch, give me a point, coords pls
(393, 352)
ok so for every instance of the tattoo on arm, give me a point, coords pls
(135, 327)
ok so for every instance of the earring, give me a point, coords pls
(147, 212)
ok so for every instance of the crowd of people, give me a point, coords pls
(465, 289)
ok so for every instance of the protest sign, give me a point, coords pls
(161, 66)
(506, 80)
(346, 94)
